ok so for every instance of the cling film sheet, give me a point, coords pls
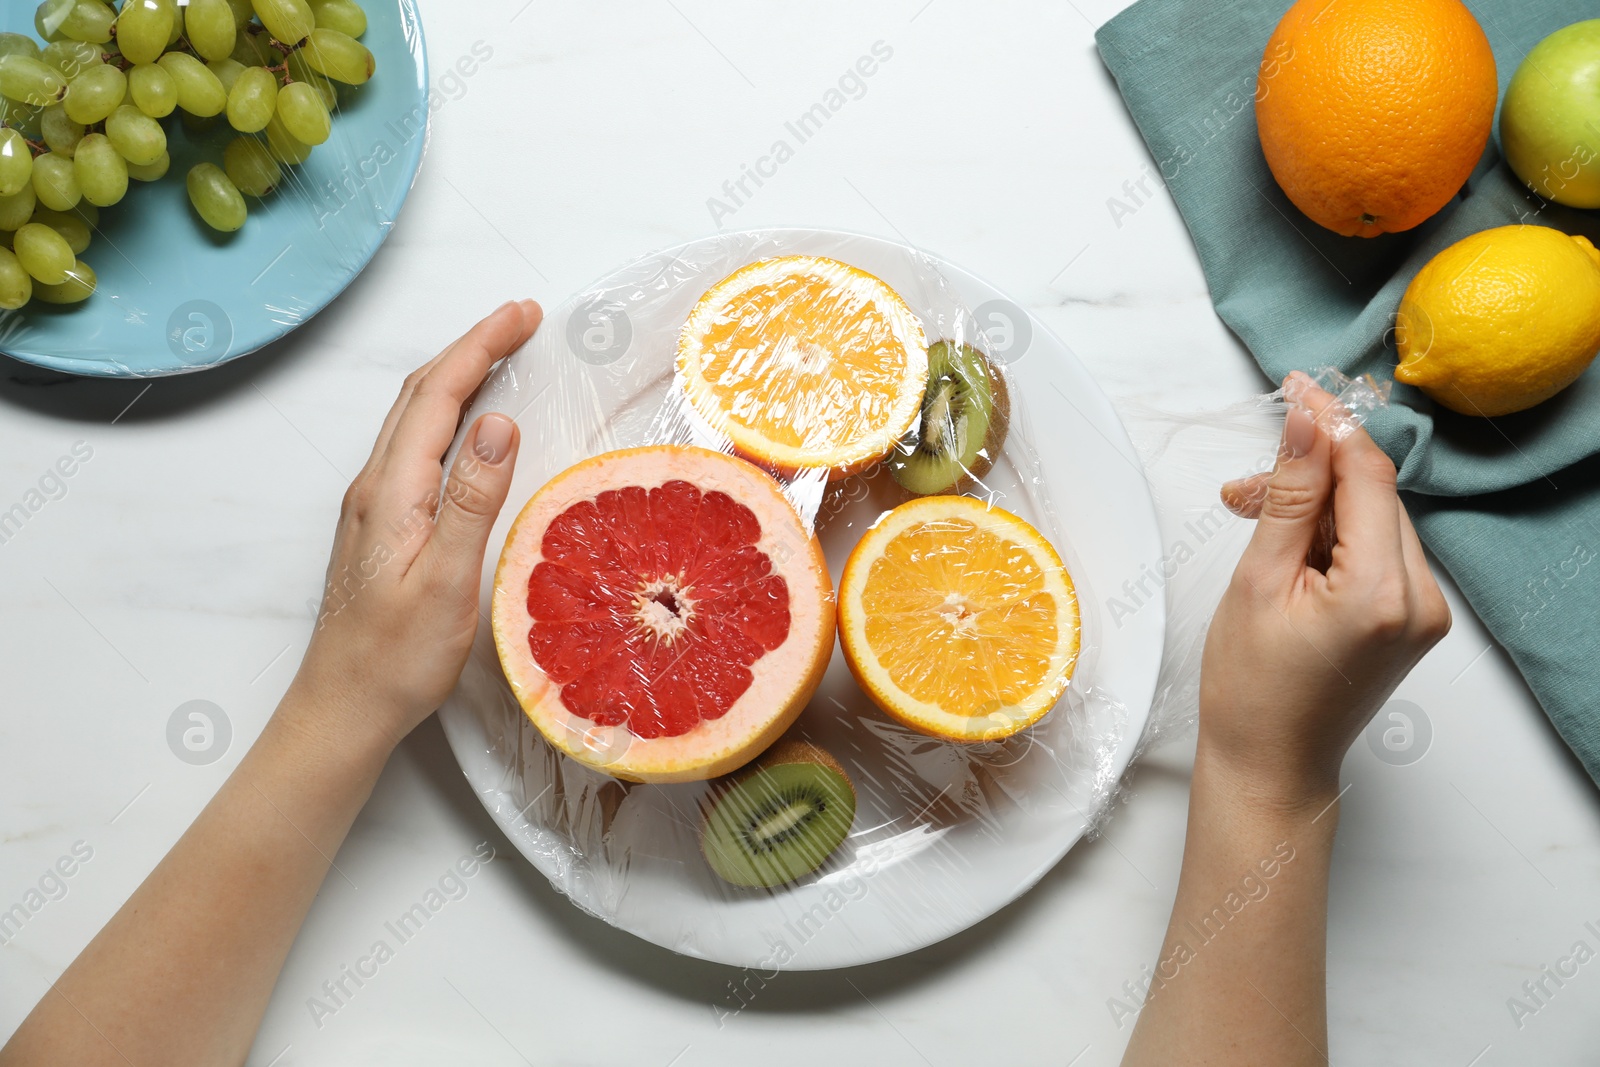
(171, 294)
(709, 434)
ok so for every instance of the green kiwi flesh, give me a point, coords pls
(965, 412)
(779, 819)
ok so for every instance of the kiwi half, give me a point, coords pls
(779, 818)
(965, 413)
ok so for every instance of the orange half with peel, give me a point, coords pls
(804, 362)
(959, 619)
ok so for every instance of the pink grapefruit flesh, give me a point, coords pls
(661, 613)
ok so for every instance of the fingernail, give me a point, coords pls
(1299, 433)
(493, 441)
(1294, 386)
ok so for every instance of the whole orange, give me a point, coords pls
(1373, 113)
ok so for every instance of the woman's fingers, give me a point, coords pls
(1300, 390)
(392, 503)
(1366, 503)
(1297, 503)
(1243, 496)
(407, 387)
(1432, 610)
(473, 495)
(1296, 496)
(1372, 525)
(1364, 479)
(427, 425)
(407, 481)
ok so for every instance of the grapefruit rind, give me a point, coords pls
(821, 448)
(924, 716)
(783, 679)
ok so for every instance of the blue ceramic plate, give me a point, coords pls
(176, 297)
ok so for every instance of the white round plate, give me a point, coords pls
(945, 834)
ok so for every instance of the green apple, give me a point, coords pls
(1550, 122)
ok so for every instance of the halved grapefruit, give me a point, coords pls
(661, 613)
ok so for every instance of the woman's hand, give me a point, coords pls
(1328, 609)
(204, 937)
(1311, 638)
(401, 604)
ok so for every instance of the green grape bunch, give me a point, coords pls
(85, 113)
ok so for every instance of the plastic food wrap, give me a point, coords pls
(173, 295)
(945, 832)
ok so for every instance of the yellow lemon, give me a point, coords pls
(1501, 320)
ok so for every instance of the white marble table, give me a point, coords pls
(179, 564)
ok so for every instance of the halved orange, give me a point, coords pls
(805, 362)
(958, 619)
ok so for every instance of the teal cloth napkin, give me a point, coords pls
(1511, 506)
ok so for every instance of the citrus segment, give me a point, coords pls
(661, 613)
(958, 619)
(804, 362)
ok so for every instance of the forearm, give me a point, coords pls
(1240, 978)
(202, 939)
(182, 973)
